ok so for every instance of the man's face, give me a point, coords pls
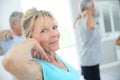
(18, 27)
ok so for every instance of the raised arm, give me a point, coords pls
(90, 23)
(18, 63)
(1, 51)
(118, 41)
(76, 19)
(90, 20)
(4, 33)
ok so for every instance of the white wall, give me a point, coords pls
(74, 8)
(6, 8)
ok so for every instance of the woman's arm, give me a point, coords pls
(17, 61)
(118, 41)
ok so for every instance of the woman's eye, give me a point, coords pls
(54, 27)
(44, 30)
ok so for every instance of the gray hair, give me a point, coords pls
(15, 16)
(84, 4)
(29, 19)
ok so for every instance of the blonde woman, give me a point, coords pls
(41, 29)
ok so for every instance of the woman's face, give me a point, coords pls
(46, 33)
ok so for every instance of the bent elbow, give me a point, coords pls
(6, 63)
(91, 27)
(117, 43)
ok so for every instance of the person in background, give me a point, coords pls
(1, 51)
(88, 41)
(42, 34)
(10, 37)
(118, 41)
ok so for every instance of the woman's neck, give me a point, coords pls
(52, 57)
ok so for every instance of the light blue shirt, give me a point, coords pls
(52, 72)
(89, 44)
(7, 43)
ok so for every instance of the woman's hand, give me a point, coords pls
(37, 51)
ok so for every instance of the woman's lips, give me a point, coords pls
(54, 42)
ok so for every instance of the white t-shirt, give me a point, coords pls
(88, 43)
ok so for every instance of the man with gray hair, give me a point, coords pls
(10, 37)
(88, 41)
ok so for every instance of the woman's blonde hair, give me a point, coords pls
(29, 19)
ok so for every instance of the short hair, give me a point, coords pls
(84, 4)
(15, 16)
(29, 19)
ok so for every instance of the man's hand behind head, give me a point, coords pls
(8, 34)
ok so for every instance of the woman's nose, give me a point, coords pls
(53, 33)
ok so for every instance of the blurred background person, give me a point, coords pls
(1, 51)
(118, 41)
(10, 37)
(88, 41)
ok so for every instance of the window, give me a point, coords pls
(109, 16)
(116, 16)
(107, 21)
